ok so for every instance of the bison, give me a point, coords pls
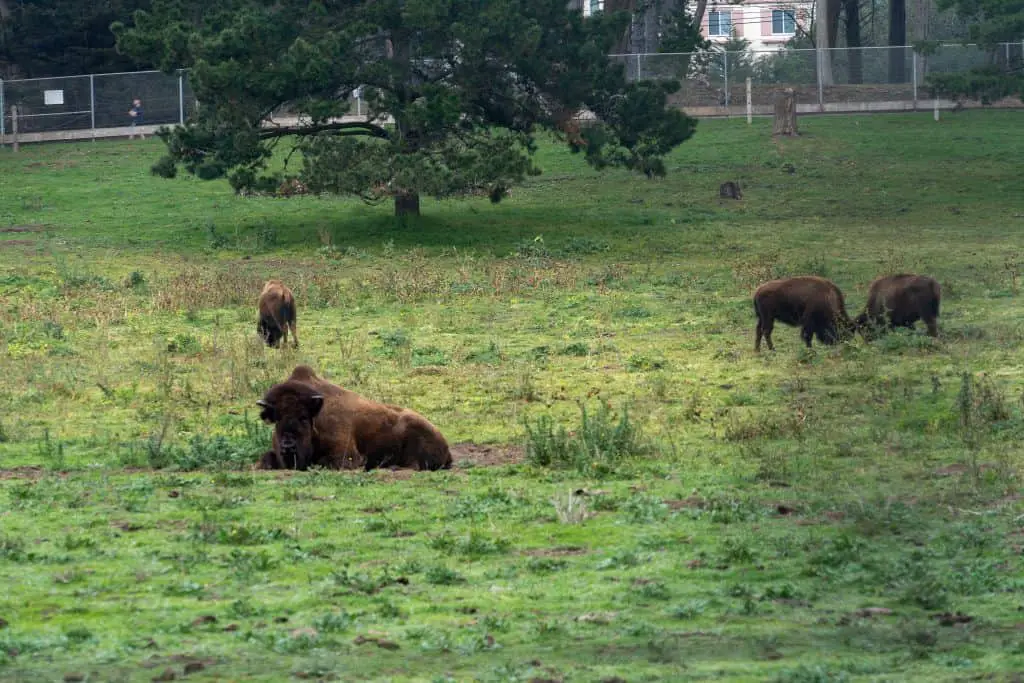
(900, 301)
(813, 303)
(319, 423)
(276, 307)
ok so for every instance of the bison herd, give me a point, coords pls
(320, 424)
(817, 307)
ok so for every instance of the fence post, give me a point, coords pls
(725, 57)
(92, 105)
(14, 127)
(181, 98)
(936, 115)
(913, 64)
(3, 121)
(639, 74)
(750, 104)
(820, 55)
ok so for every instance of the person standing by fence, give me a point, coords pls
(136, 113)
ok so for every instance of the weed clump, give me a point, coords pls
(602, 441)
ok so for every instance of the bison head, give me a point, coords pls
(868, 327)
(269, 331)
(292, 409)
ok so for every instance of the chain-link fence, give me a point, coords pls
(94, 102)
(849, 79)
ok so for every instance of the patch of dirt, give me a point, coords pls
(950, 619)
(464, 455)
(23, 228)
(486, 455)
(387, 644)
(691, 502)
(23, 472)
(15, 243)
(958, 468)
(561, 551)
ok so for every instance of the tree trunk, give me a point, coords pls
(785, 113)
(821, 42)
(852, 10)
(407, 204)
(897, 38)
(698, 13)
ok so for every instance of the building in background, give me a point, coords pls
(765, 25)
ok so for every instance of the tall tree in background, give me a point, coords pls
(990, 23)
(851, 21)
(456, 90)
(62, 37)
(897, 39)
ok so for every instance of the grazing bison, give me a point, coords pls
(813, 303)
(319, 423)
(277, 313)
(900, 301)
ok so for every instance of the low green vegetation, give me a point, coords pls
(637, 494)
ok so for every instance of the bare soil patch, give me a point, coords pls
(22, 472)
(16, 243)
(464, 454)
(23, 228)
(486, 455)
(561, 551)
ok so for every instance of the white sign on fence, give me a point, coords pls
(53, 97)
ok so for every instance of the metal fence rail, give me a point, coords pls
(856, 79)
(868, 77)
(95, 101)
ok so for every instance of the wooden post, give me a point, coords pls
(14, 127)
(785, 113)
(936, 112)
(750, 104)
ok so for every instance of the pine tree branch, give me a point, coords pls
(340, 127)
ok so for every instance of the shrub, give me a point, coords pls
(602, 440)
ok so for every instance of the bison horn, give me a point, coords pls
(262, 403)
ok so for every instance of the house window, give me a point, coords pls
(783, 21)
(719, 23)
(592, 7)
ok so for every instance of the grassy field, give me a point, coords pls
(843, 514)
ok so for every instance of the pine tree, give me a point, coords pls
(456, 92)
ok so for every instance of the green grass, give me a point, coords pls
(738, 523)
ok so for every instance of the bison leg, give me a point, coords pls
(764, 329)
(933, 328)
(295, 335)
(807, 333)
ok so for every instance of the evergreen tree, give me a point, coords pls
(62, 37)
(456, 91)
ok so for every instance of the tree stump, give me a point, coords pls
(785, 113)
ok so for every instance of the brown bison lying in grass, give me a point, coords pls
(276, 307)
(900, 301)
(319, 423)
(813, 303)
